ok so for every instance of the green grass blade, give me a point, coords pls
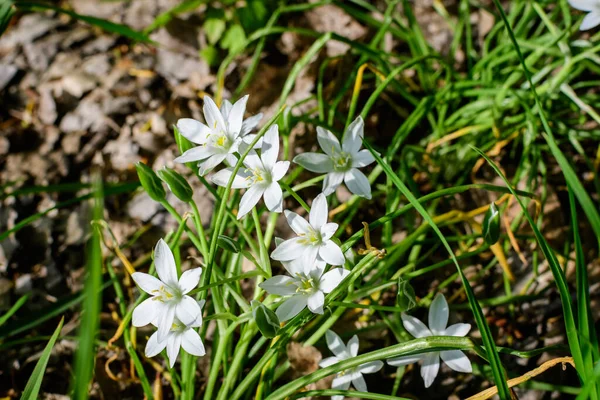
(559, 277)
(486, 334)
(166, 17)
(590, 209)
(22, 300)
(7, 10)
(86, 352)
(35, 380)
(119, 29)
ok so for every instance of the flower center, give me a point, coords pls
(165, 294)
(341, 161)
(312, 237)
(258, 176)
(306, 285)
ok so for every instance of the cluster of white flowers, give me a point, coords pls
(225, 136)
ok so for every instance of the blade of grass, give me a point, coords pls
(573, 181)
(14, 309)
(86, 353)
(486, 334)
(119, 29)
(34, 383)
(559, 278)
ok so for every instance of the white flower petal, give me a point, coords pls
(173, 346)
(279, 170)
(248, 139)
(370, 367)
(146, 312)
(250, 199)
(359, 382)
(341, 383)
(328, 142)
(250, 123)
(328, 230)
(294, 267)
(314, 162)
(583, 5)
(430, 368)
(358, 183)
(405, 360)
(332, 279)
(352, 141)
(197, 153)
(165, 322)
(331, 253)
(280, 285)
(191, 342)
(213, 116)
(298, 224)
(236, 115)
(353, 346)
(318, 212)
(222, 177)
(457, 360)
(187, 310)
(414, 326)
(326, 362)
(210, 163)
(289, 250)
(457, 330)
(232, 160)
(189, 279)
(153, 347)
(253, 161)
(310, 260)
(438, 315)
(362, 159)
(590, 21)
(165, 264)
(270, 147)
(274, 197)
(332, 181)
(315, 302)
(225, 108)
(192, 130)
(290, 307)
(336, 345)
(146, 282)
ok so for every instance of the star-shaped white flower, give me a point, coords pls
(220, 139)
(306, 287)
(592, 7)
(169, 295)
(261, 176)
(341, 163)
(341, 352)
(180, 335)
(314, 237)
(438, 320)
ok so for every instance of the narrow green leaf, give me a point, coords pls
(486, 334)
(228, 244)
(22, 300)
(406, 298)
(490, 228)
(103, 24)
(34, 383)
(7, 10)
(86, 352)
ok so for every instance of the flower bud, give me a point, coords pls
(490, 228)
(177, 184)
(150, 182)
(406, 295)
(265, 319)
(228, 244)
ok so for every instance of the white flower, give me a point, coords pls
(342, 352)
(438, 320)
(592, 7)
(260, 177)
(221, 138)
(341, 163)
(307, 286)
(169, 300)
(180, 335)
(314, 238)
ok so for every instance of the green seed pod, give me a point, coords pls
(228, 244)
(177, 184)
(265, 319)
(490, 228)
(406, 295)
(150, 182)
